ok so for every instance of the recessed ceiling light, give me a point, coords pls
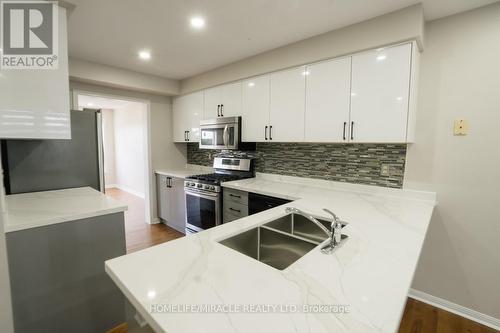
(90, 104)
(197, 22)
(251, 84)
(144, 55)
(381, 57)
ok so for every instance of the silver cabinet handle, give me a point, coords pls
(343, 135)
(270, 132)
(265, 133)
(222, 110)
(352, 130)
(218, 110)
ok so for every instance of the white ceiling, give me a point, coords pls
(111, 32)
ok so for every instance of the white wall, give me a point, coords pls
(129, 125)
(402, 25)
(92, 73)
(108, 133)
(460, 78)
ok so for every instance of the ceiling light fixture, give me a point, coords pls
(251, 84)
(381, 57)
(144, 55)
(197, 22)
(90, 104)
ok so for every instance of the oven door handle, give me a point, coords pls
(226, 136)
(202, 194)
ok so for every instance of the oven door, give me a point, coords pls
(202, 210)
(222, 136)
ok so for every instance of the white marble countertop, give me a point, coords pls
(188, 170)
(38, 209)
(371, 272)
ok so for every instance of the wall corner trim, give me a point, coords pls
(457, 309)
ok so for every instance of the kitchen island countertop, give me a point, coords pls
(172, 284)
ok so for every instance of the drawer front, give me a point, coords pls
(228, 217)
(236, 209)
(235, 196)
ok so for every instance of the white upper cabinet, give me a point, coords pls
(255, 109)
(231, 100)
(288, 90)
(212, 103)
(367, 97)
(328, 88)
(380, 95)
(187, 113)
(34, 104)
(223, 101)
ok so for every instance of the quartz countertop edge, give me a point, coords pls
(38, 209)
(188, 170)
(371, 271)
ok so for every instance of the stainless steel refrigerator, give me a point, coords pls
(42, 165)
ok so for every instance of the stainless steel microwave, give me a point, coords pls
(220, 133)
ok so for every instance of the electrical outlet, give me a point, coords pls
(461, 127)
(385, 170)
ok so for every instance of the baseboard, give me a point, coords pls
(129, 190)
(155, 220)
(456, 309)
(111, 186)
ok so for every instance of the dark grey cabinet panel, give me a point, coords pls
(58, 280)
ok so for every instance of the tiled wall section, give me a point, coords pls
(352, 163)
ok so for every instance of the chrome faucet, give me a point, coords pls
(334, 234)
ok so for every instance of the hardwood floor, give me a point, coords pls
(140, 235)
(418, 317)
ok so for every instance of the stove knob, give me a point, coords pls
(199, 185)
(212, 188)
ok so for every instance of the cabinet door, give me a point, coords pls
(328, 89)
(187, 113)
(212, 103)
(380, 93)
(255, 108)
(288, 91)
(177, 205)
(179, 119)
(163, 199)
(231, 100)
(34, 104)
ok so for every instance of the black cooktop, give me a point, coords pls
(215, 178)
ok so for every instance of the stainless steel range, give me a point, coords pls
(204, 192)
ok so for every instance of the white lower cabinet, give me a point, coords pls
(255, 109)
(328, 90)
(287, 105)
(171, 201)
(187, 113)
(380, 94)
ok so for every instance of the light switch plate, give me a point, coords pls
(461, 127)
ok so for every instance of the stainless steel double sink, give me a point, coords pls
(281, 242)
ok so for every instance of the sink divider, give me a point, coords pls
(286, 234)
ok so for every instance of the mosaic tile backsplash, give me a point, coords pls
(352, 163)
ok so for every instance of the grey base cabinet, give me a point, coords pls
(171, 201)
(58, 280)
(235, 205)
